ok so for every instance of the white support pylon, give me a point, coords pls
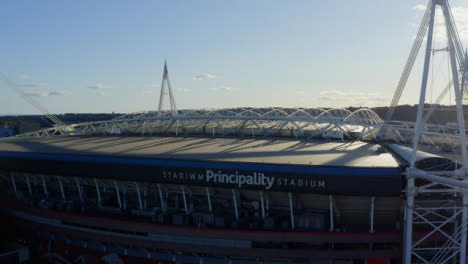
(441, 204)
(166, 84)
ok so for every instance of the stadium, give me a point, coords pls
(155, 193)
(247, 185)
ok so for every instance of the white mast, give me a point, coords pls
(166, 85)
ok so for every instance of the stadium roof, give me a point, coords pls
(330, 167)
(270, 151)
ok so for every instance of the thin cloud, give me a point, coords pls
(419, 7)
(345, 99)
(44, 94)
(34, 94)
(100, 93)
(148, 92)
(38, 84)
(183, 90)
(204, 76)
(300, 92)
(24, 76)
(99, 86)
(152, 85)
(59, 93)
(221, 88)
(332, 93)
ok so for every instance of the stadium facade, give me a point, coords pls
(214, 200)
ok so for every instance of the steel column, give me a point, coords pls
(422, 96)
(29, 184)
(371, 229)
(163, 207)
(456, 83)
(13, 183)
(408, 235)
(139, 196)
(291, 211)
(61, 188)
(208, 197)
(235, 204)
(184, 199)
(78, 187)
(117, 191)
(98, 192)
(45, 186)
(332, 224)
(262, 204)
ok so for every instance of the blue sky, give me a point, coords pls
(104, 56)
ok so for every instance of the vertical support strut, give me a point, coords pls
(208, 197)
(422, 96)
(13, 183)
(408, 235)
(98, 193)
(29, 185)
(118, 194)
(61, 188)
(291, 211)
(332, 224)
(139, 196)
(161, 198)
(78, 187)
(235, 204)
(184, 199)
(371, 229)
(46, 193)
(456, 84)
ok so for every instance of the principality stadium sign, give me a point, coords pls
(283, 178)
(250, 180)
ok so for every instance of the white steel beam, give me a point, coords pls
(13, 183)
(29, 185)
(408, 230)
(291, 210)
(330, 204)
(78, 187)
(98, 192)
(422, 96)
(117, 191)
(139, 196)
(46, 193)
(161, 198)
(61, 188)
(235, 204)
(208, 197)
(371, 229)
(184, 199)
(456, 84)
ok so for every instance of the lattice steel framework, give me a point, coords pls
(362, 124)
(437, 202)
